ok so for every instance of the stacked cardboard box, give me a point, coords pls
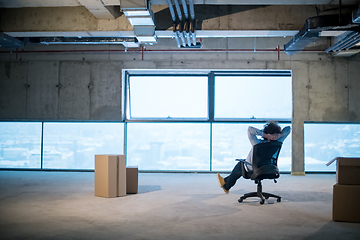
(346, 192)
(132, 173)
(113, 178)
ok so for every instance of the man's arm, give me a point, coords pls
(252, 133)
(278, 136)
(284, 133)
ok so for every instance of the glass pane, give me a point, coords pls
(74, 145)
(249, 97)
(324, 142)
(230, 141)
(20, 145)
(169, 146)
(168, 97)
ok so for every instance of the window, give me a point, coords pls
(169, 146)
(168, 97)
(325, 141)
(74, 145)
(20, 145)
(253, 97)
(166, 114)
(230, 141)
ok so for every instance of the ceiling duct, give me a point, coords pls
(7, 41)
(346, 42)
(313, 27)
(349, 40)
(141, 17)
(356, 16)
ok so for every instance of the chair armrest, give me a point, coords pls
(244, 161)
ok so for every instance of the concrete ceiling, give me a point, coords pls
(215, 18)
(73, 3)
(98, 7)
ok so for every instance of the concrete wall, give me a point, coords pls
(61, 90)
(87, 86)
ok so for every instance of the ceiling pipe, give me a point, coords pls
(173, 16)
(192, 22)
(180, 25)
(184, 5)
(186, 22)
(178, 10)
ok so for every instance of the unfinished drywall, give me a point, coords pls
(87, 86)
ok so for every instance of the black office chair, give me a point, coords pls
(265, 156)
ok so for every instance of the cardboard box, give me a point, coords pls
(122, 176)
(132, 173)
(346, 207)
(110, 175)
(348, 170)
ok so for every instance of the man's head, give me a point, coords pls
(272, 128)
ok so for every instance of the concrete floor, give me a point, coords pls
(62, 205)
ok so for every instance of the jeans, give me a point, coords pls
(233, 177)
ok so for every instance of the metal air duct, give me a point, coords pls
(10, 42)
(345, 43)
(313, 27)
(141, 17)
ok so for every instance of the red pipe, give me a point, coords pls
(142, 51)
(157, 50)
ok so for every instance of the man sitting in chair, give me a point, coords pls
(271, 132)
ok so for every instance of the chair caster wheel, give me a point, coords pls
(278, 200)
(240, 200)
(262, 201)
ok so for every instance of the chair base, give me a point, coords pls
(262, 195)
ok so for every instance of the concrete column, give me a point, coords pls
(300, 78)
(354, 89)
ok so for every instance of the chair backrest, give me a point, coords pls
(265, 156)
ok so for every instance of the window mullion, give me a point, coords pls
(211, 97)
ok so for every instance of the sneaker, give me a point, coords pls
(221, 182)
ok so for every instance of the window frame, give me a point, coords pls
(211, 99)
(211, 74)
